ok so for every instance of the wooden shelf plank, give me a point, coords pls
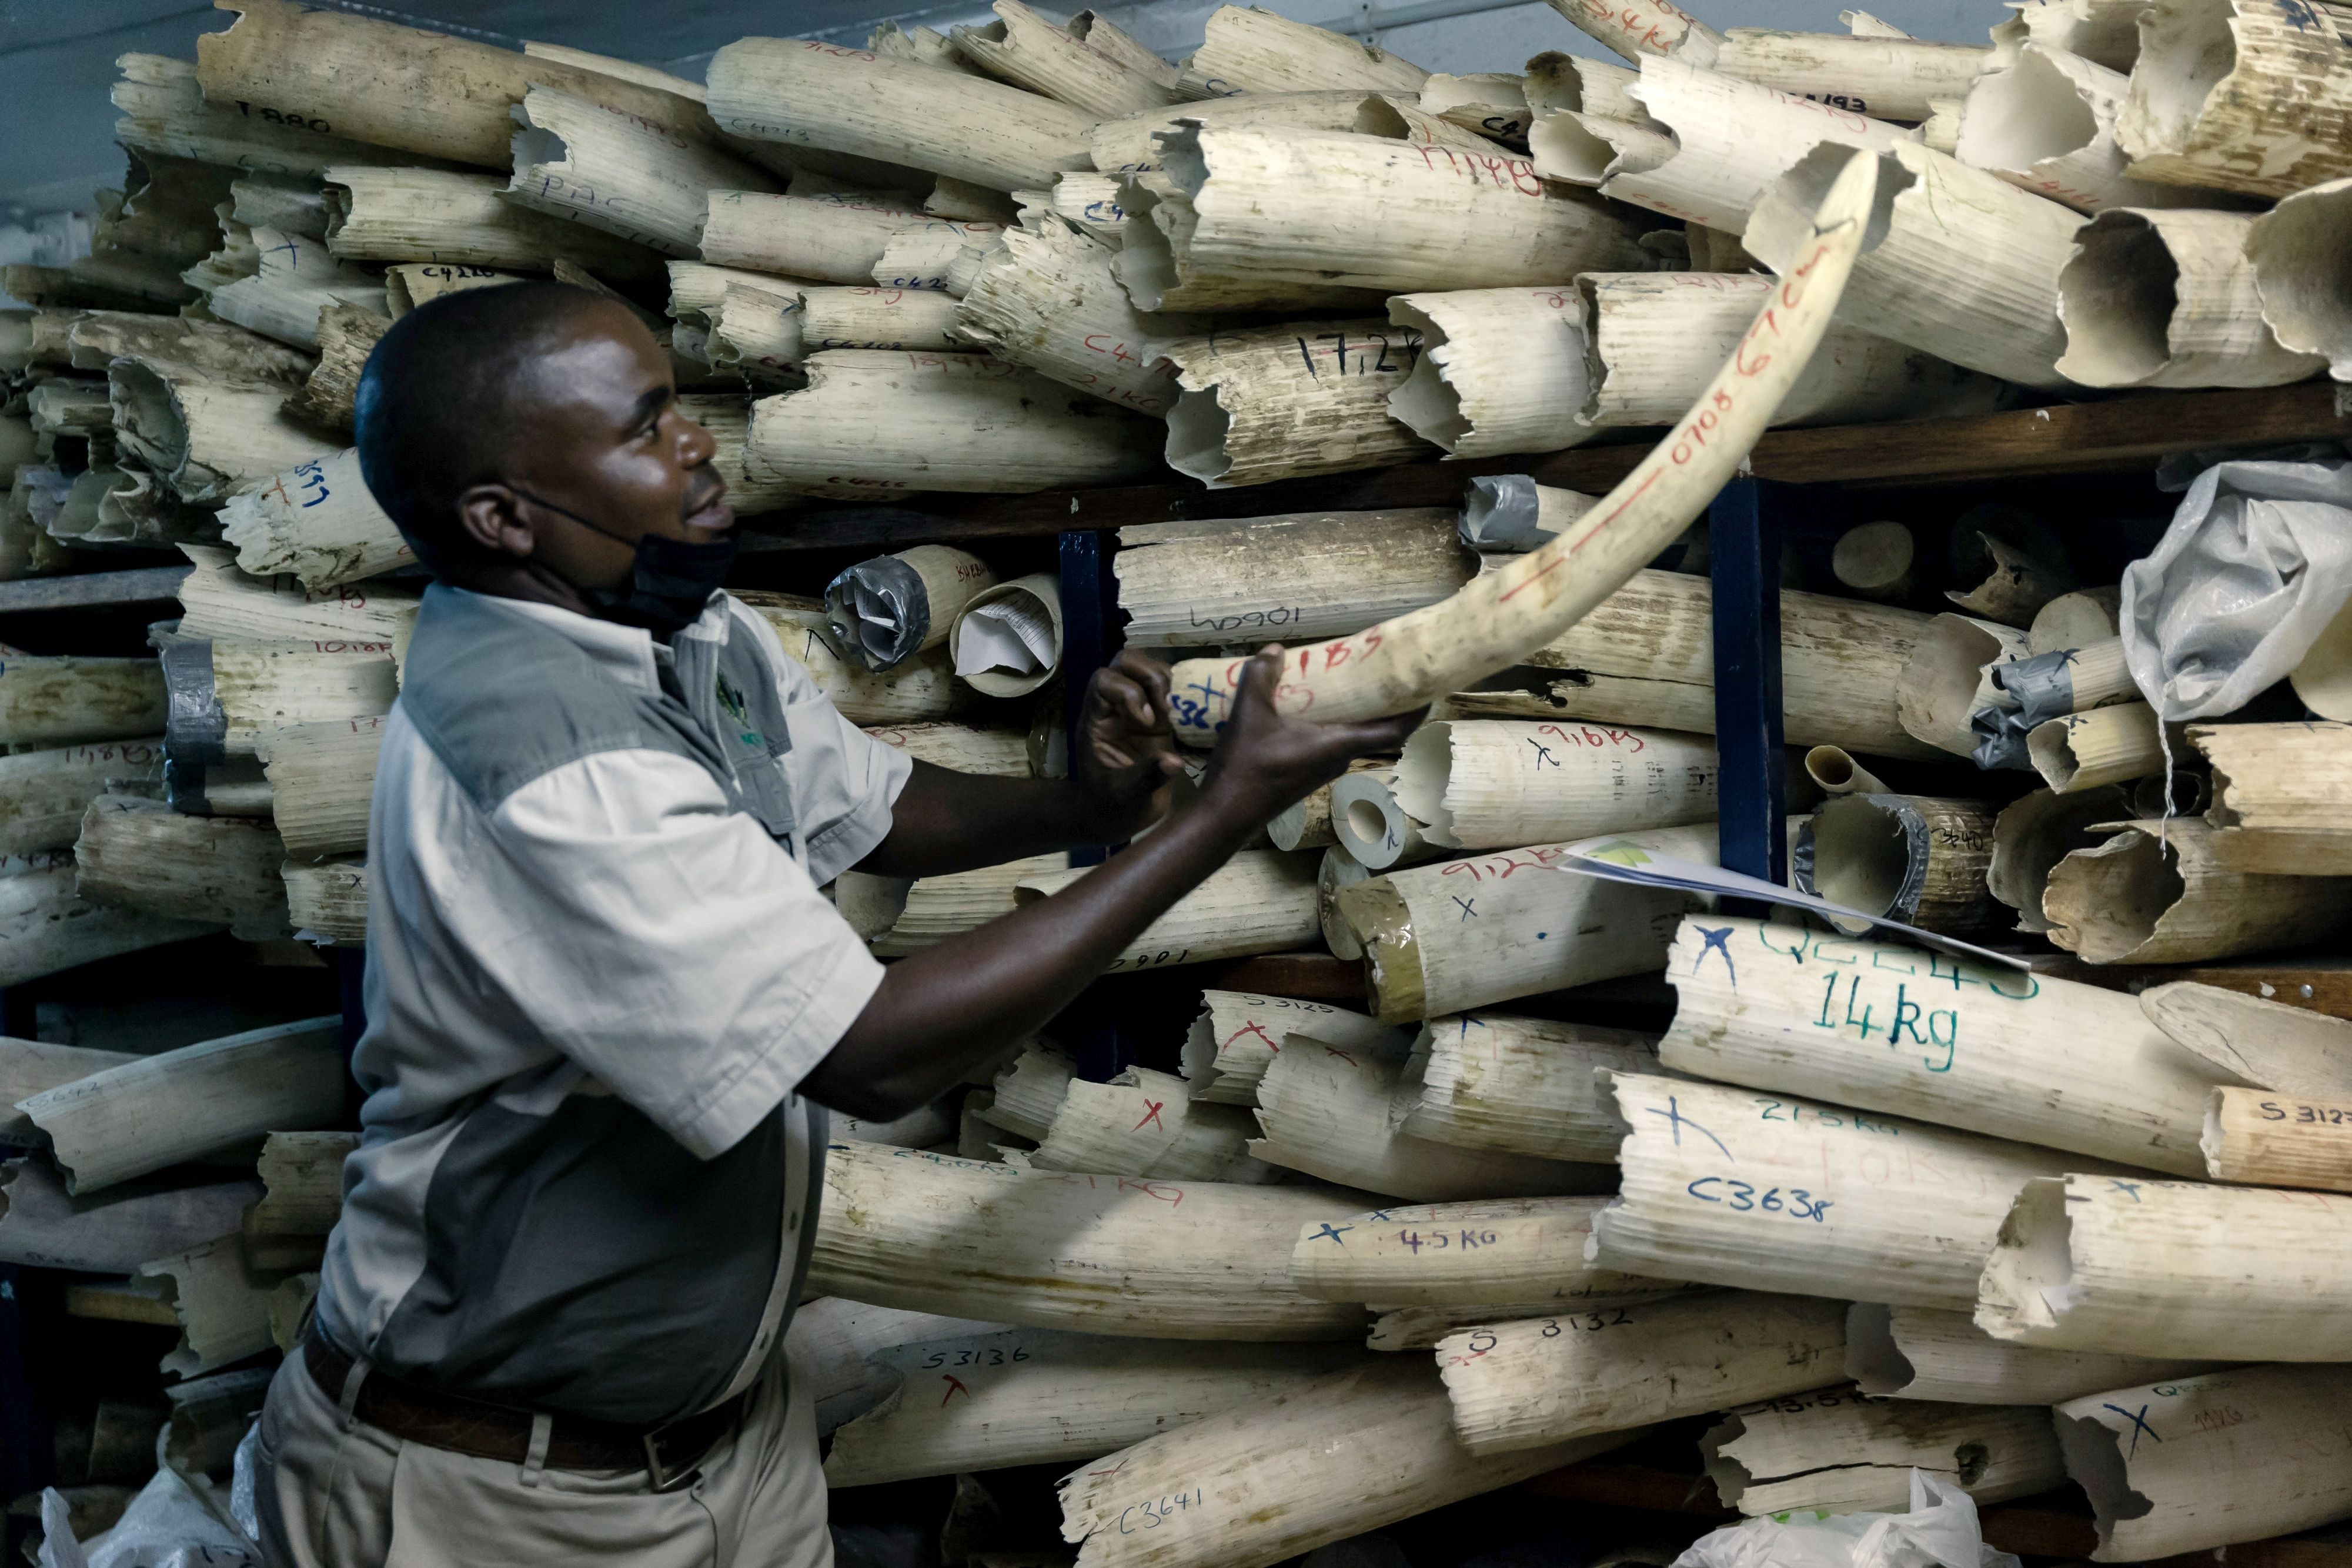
(2321, 983)
(141, 585)
(2123, 435)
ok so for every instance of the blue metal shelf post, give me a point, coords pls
(1744, 534)
(1090, 640)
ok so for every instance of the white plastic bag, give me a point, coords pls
(1941, 1531)
(2256, 563)
(167, 1525)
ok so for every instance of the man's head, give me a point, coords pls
(486, 416)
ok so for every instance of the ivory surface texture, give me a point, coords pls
(1052, 305)
(2237, 96)
(1384, 1450)
(802, 93)
(221, 603)
(611, 171)
(999, 752)
(1248, 49)
(2241, 1455)
(1893, 77)
(2265, 1043)
(1031, 1396)
(1143, 1123)
(1919, 858)
(46, 924)
(1281, 402)
(2034, 832)
(205, 437)
(1222, 583)
(2168, 299)
(1261, 901)
(1542, 1380)
(1108, 1255)
(304, 1175)
(2047, 124)
(113, 1232)
(1501, 369)
(832, 1342)
(2168, 1268)
(44, 793)
(30, 1067)
(322, 779)
(1238, 1034)
(198, 1100)
(1470, 933)
(2162, 893)
(1064, 63)
(1524, 1252)
(2272, 788)
(1841, 1450)
(164, 110)
(222, 1302)
(937, 907)
(1500, 617)
(1889, 1210)
(2029, 1057)
(2296, 249)
(1335, 1114)
(1129, 145)
(1530, 1086)
(315, 521)
(327, 899)
(1921, 1353)
(1946, 678)
(198, 871)
(460, 220)
(2268, 1140)
(1030, 1092)
(2106, 745)
(291, 279)
(876, 422)
(838, 237)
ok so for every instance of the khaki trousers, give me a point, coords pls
(337, 1494)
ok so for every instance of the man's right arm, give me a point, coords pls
(953, 1006)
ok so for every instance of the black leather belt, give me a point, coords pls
(670, 1454)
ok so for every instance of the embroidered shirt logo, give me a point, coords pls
(731, 702)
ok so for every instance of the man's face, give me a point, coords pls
(598, 432)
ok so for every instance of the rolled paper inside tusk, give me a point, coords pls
(1521, 1252)
(198, 1100)
(302, 1177)
(1920, 1353)
(1867, 73)
(1703, 147)
(1259, 902)
(1373, 827)
(415, 283)
(1500, 370)
(1917, 859)
(1064, 63)
(2075, 620)
(2236, 97)
(1238, 1035)
(1512, 512)
(2159, 893)
(2193, 1489)
(1389, 1419)
(2256, 1137)
(391, 85)
(885, 610)
(1966, 265)
(1029, 1092)
(1446, 647)
(42, 1227)
(1491, 785)
(1834, 771)
(461, 220)
(922, 254)
(44, 792)
(937, 907)
(222, 1301)
(995, 753)
(65, 701)
(803, 93)
(1127, 146)
(875, 423)
(30, 1067)
(575, 159)
(1218, 583)
(1048, 302)
(195, 872)
(2047, 124)
(1842, 1450)
(1252, 50)
(2162, 1268)
(1143, 1123)
(2048, 1062)
(1006, 637)
(1528, 1086)
(1876, 561)
(2106, 746)
(1646, 29)
(2169, 299)
(347, 335)
(205, 437)
(291, 280)
(921, 1231)
(1283, 403)
(1027, 1397)
(1947, 678)
(2269, 1044)
(1914, 1222)
(47, 926)
(2296, 250)
(833, 1344)
(1492, 103)
(1469, 933)
(1334, 1114)
(838, 238)
(2034, 832)
(1516, 1384)
(321, 779)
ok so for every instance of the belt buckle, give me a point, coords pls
(663, 1478)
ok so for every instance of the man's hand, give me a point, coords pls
(1127, 748)
(1267, 760)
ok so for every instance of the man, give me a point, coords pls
(602, 978)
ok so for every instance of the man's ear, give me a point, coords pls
(491, 515)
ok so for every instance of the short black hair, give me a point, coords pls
(434, 411)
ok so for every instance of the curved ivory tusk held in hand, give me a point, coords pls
(1502, 615)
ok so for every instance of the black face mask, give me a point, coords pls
(670, 580)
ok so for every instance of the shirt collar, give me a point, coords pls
(629, 654)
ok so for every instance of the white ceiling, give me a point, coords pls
(57, 57)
